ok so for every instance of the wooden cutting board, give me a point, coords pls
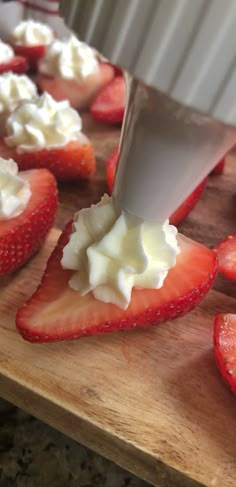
(150, 400)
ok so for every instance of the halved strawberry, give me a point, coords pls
(117, 70)
(18, 65)
(70, 162)
(33, 54)
(57, 312)
(80, 95)
(226, 251)
(21, 237)
(109, 106)
(111, 164)
(219, 168)
(225, 347)
(181, 213)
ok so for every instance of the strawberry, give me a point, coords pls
(219, 168)
(109, 106)
(80, 95)
(117, 70)
(33, 54)
(56, 312)
(226, 251)
(181, 213)
(18, 65)
(225, 347)
(21, 237)
(111, 164)
(70, 162)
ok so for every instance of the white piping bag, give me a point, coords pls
(166, 150)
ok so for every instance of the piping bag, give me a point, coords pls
(166, 148)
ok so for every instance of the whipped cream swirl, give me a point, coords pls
(14, 190)
(112, 252)
(13, 89)
(69, 59)
(6, 52)
(32, 33)
(43, 123)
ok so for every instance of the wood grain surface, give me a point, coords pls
(150, 400)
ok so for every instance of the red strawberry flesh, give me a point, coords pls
(226, 251)
(111, 165)
(109, 106)
(225, 347)
(32, 53)
(18, 65)
(56, 312)
(22, 236)
(219, 168)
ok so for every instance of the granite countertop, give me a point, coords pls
(32, 454)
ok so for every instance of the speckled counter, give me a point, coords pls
(34, 455)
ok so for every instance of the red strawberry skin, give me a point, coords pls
(226, 251)
(18, 65)
(219, 168)
(33, 54)
(184, 209)
(225, 347)
(70, 162)
(56, 312)
(109, 106)
(111, 164)
(22, 236)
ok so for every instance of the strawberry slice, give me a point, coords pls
(18, 65)
(56, 312)
(219, 168)
(80, 95)
(33, 54)
(181, 213)
(70, 162)
(109, 106)
(21, 237)
(226, 251)
(225, 347)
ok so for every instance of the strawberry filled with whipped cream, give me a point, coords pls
(13, 89)
(31, 39)
(11, 62)
(70, 70)
(43, 132)
(111, 252)
(28, 204)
